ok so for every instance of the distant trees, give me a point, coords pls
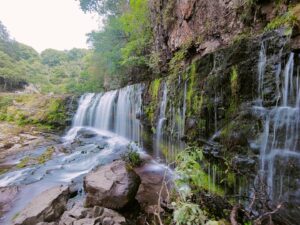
(104, 7)
(51, 71)
(123, 45)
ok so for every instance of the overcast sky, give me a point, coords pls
(58, 24)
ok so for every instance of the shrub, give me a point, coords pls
(132, 158)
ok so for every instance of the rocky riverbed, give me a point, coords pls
(80, 182)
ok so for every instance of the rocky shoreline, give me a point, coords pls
(110, 192)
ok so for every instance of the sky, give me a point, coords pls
(41, 24)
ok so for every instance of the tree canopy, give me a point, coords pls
(123, 45)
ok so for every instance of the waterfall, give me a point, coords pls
(84, 104)
(261, 70)
(161, 119)
(280, 144)
(114, 111)
(128, 107)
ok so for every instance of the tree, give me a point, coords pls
(104, 7)
(4, 35)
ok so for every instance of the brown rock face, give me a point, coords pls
(46, 207)
(209, 25)
(189, 20)
(111, 186)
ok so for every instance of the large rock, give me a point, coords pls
(155, 184)
(7, 197)
(79, 215)
(111, 186)
(46, 207)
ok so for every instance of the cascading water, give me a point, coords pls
(114, 111)
(103, 127)
(280, 145)
(161, 119)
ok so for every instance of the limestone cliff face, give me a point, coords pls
(226, 77)
(209, 25)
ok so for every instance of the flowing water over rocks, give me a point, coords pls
(280, 145)
(105, 127)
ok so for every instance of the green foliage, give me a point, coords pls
(123, 45)
(51, 71)
(190, 180)
(132, 158)
(104, 7)
(288, 20)
(46, 112)
(190, 173)
(188, 214)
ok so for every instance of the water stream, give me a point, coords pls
(280, 143)
(104, 127)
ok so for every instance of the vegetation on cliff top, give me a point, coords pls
(123, 46)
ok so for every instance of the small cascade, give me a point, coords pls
(128, 107)
(103, 117)
(261, 70)
(114, 111)
(84, 104)
(280, 142)
(161, 119)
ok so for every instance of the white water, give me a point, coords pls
(261, 70)
(161, 119)
(114, 111)
(280, 141)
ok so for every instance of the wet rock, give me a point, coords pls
(86, 133)
(88, 221)
(46, 207)
(108, 216)
(243, 163)
(111, 186)
(151, 185)
(97, 215)
(7, 197)
(45, 223)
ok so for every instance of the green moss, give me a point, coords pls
(155, 85)
(24, 162)
(234, 82)
(288, 20)
(46, 156)
(230, 179)
(176, 63)
(168, 17)
(2, 171)
(42, 111)
(190, 91)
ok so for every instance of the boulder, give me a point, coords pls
(46, 207)
(7, 197)
(78, 212)
(112, 186)
(87, 221)
(153, 184)
(79, 215)
(108, 216)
